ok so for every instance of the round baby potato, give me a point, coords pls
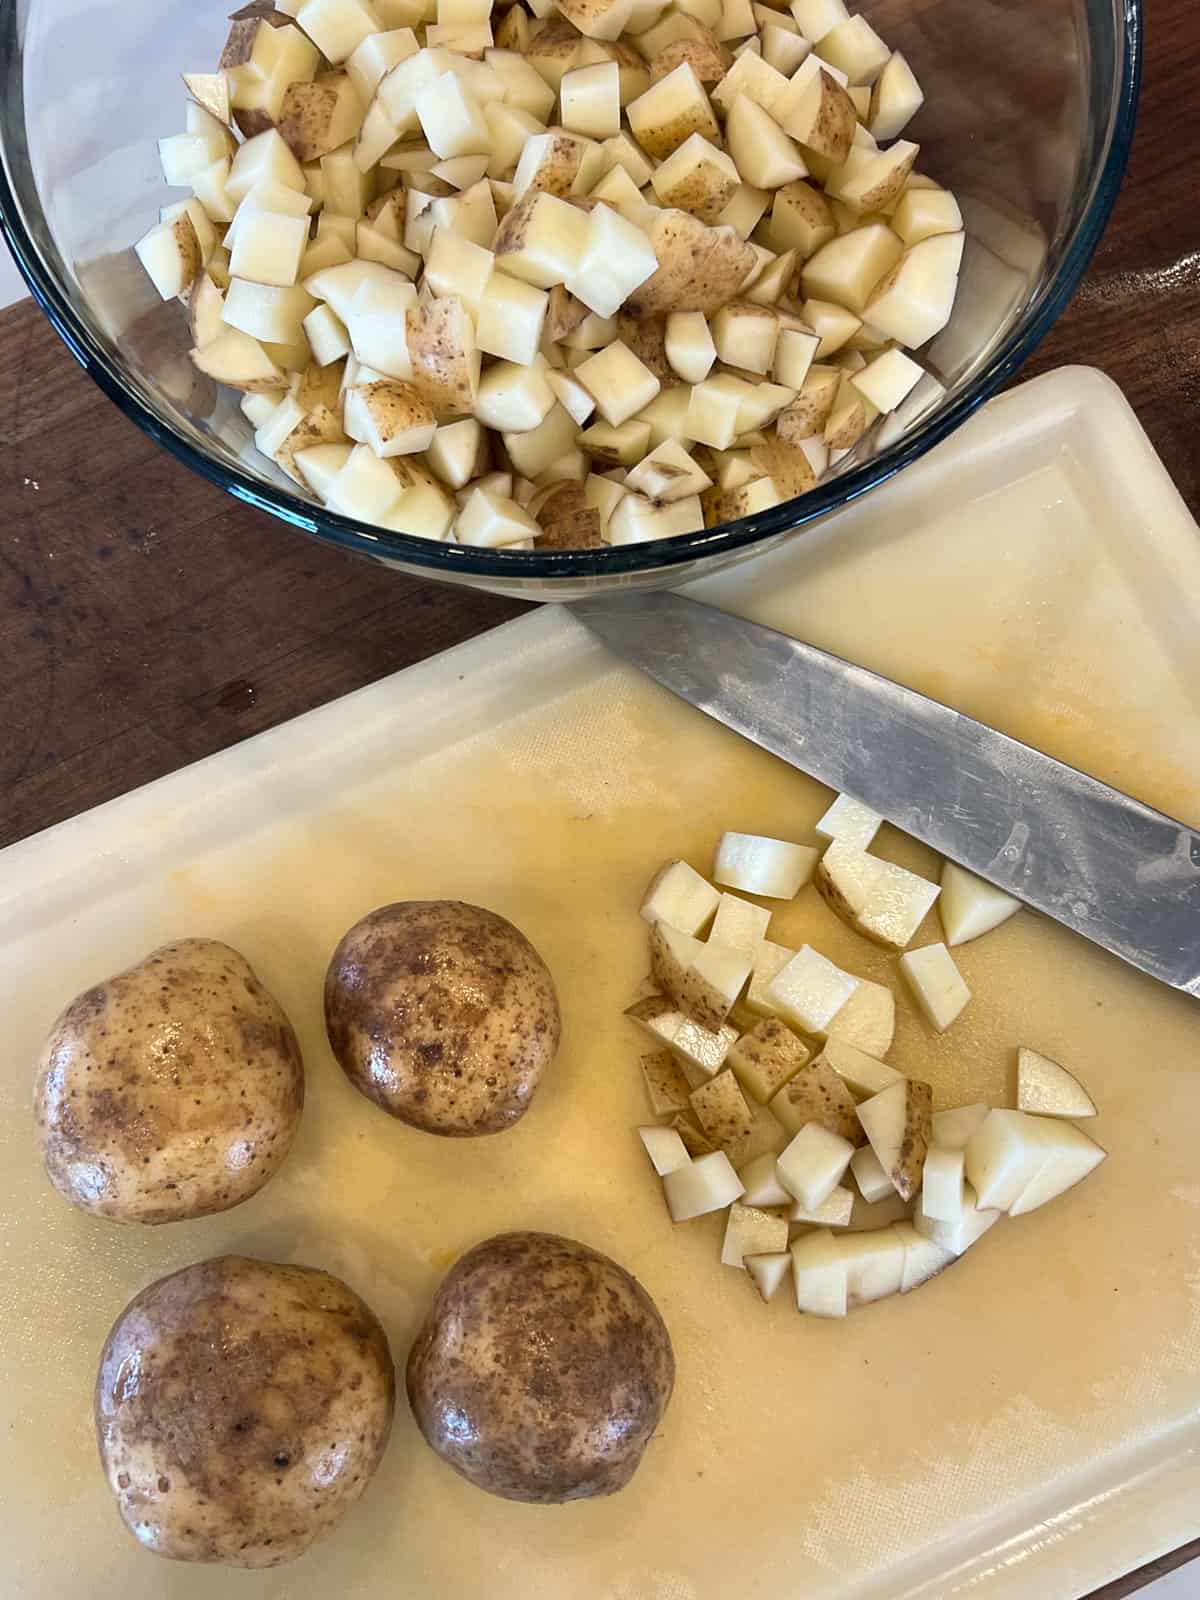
(443, 1014)
(172, 1090)
(241, 1408)
(542, 1370)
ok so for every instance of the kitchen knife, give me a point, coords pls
(1123, 875)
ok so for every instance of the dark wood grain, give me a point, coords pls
(146, 620)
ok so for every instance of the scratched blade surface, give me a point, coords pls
(1123, 875)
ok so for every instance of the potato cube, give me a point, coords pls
(810, 990)
(757, 865)
(513, 399)
(896, 97)
(365, 488)
(615, 258)
(914, 301)
(679, 896)
(697, 177)
(171, 255)
(618, 447)
(834, 1212)
(666, 1086)
(638, 520)
(888, 380)
(267, 248)
(390, 416)
(753, 78)
(721, 1109)
(745, 336)
(590, 100)
(669, 111)
(769, 961)
(511, 317)
(750, 1231)
(713, 410)
(873, 1182)
(262, 159)
(849, 821)
(327, 336)
(667, 474)
(815, 1093)
(618, 382)
(338, 27)
(813, 1164)
(764, 154)
(493, 520)
(818, 113)
(709, 1183)
(270, 312)
(936, 984)
(856, 49)
(451, 118)
(542, 240)
(765, 1058)
(665, 1148)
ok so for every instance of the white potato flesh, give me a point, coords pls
(833, 325)
(263, 158)
(874, 1265)
(847, 269)
(816, 18)
(886, 902)
(619, 383)
(819, 1274)
(549, 245)
(855, 48)
(320, 465)
(266, 311)
(952, 1129)
(510, 319)
(887, 380)
(761, 1182)
(943, 1183)
(1046, 1088)
(763, 153)
(379, 53)
(896, 97)
(740, 924)
(665, 1149)
(813, 1164)
(833, 1212)
(717, 974)
(936, 984)
(745, 336)
(183, 156)
(513, 399)
(795, 353)
(713, 407)
(862, 1073)
(456, 449)
(171, 256)
(670, 111)
(867, 1022)
(267, 247)
(338, 27)
(637, 520)
(590, 100)
(769, 961)
(850, 821)
(751, 1231)
(809, 991)
(768, 1271)
(524, 86)
(492, 521)
(873, 1182)
(756, 864)
(456, 266)
(783, 48)
(923, 1258)
(1073, 1155)
(969, 906)
(697, 177)
(366, 487)
(1005, 1155)
(577, 403)
(667, 474)
(872, 180)
(543, 448)
(898, 1123)
(615, 258)
(745, 210)
(921, 213)
(915, 300)
(707, 1184)
(956, 1237)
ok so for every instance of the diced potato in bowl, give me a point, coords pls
(623, 239)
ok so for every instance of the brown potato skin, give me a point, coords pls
(443, 1014)
(241, 1408)
(542, 1370)
(172, 1090)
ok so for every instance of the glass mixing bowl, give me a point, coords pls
(1028, 116)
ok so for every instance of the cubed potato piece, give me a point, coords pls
(618, 447)
(320, 464)
(795, 353)
(750, 78)
(615, 259)
(327, 336)
(266, 311)
(816, 1093)
(493, 521)
(813, 1165)
(850, 821)
(769, 961)
(451, 118)
(765, 1058)
(872, 180)
(770, 287)
(638, 520)
(689, 345)
(1005, 1155)
(625, 153)
(458, 451)
(969, 906)
(768, 1270)
(816, 18)
(543, 450)
(873, 1182)
(511, 319)
(818, 113)
(444, 356)
(618, 382)
(819, 1274)
(554, 163)
(885, 902)
(679, 896)
(721, 1110)
(572, 396)
(856, 49)
(750, 1231)
(833, 325)
(758, 865)
(1047, 1088)
(806, 416)
(952, 1129)
(898, 1123)
(699, 268)
(366, 487)
(698, 178)
(713, 411)
(524, 86)
(943, 1184)
(618, 191)
(740, 923)
(338, 27)
(835, 1212)
(896, 97)
(745, 336)
(264, 159)
(748, 500)
(666, 1087)
(392, 417)
(210, 90)
(847, 269)
(955, 1238)
(708, 1184)
(784, 47)
(541, 240)
(513, 399)
(915, 300)
(590, 100)
(668, 473)
(810, 990)
(863, 1073)
(694, 1142)
(667, 416)
(456, 266)
(320, 116)
(171, 256)
(936, 984)
(888, 380)
(665, 1149)
(765, 156)
(670, 111)
(267, 248)
(761, 1182)
(801, 219)
(376, 55)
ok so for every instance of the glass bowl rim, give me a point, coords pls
(467, 562)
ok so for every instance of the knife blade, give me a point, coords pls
(1116, 871)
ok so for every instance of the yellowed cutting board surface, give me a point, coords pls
(885, 1455)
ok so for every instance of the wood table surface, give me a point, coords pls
(147, 620)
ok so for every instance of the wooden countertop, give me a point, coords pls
(147, 620)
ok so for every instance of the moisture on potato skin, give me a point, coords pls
(172, 1090)
(542, 1370)
(443, 1014)
(241, 1408)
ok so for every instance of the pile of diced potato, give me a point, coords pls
(589, 273)
(774, 1097)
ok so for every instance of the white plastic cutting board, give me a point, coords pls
(1024, 1426)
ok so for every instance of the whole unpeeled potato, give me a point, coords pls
(443, 1014)
(241, 1409)
(542, 1369)
(171, 1090)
